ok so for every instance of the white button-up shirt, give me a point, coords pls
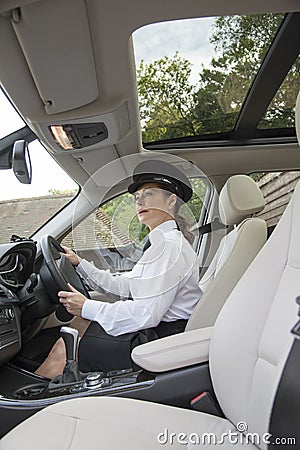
(162, 286)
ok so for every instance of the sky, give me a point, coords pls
(188, 37)
(46, 175)
(42, 180)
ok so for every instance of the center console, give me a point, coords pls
(20, 385)
(23, 393)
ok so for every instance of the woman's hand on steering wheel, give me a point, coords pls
(73, 301)
(71, 256)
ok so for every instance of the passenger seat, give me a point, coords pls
(240, 199)
(250, 344)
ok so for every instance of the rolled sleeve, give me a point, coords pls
(153, 285)
(104, 281)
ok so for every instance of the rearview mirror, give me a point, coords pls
(21, 162)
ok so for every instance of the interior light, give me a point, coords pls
(61, 137)
(74, 136)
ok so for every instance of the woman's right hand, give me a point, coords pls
(72, 257)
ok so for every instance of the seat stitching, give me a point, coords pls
(280, 278)
(75, 421)
(292, 265)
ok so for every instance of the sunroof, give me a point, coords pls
(281, 111)
(193, 75)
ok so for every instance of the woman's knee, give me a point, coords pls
(58, 350)
(80, 324)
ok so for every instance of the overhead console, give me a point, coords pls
(54, 54)
(68, 55)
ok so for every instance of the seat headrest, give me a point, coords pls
(240, 197)
(297, 118)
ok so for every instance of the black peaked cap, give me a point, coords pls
(161, 172)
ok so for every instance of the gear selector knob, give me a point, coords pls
(70, 337)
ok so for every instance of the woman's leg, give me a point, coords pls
(55, 362)
(99, 351)
(80, 324)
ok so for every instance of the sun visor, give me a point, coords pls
(59, 58)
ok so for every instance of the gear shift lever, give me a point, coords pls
(70, 338)
(71, 372)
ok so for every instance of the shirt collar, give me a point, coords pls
(163, 227)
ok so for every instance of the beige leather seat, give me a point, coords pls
(249, 346)
(239, 200)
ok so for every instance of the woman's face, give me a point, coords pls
(154, 205)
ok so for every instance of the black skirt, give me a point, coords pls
(99, 351)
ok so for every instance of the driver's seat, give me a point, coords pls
(250, 344)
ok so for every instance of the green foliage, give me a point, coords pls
(171, 106)
(62, 192)
(281, 111)
(195, 204)
(110, 207)
(257, 176)
(244, 40)
(121, 211)
(166, 98)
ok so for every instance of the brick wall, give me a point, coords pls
(277, 189)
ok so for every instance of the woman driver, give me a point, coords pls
(159, 293)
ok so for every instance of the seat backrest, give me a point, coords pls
(251, 337)
(240, 198)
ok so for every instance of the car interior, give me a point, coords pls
(72, 73)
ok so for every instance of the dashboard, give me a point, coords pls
(10, 330)
(16, 265)
(29, 284)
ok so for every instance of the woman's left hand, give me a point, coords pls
(73, 301)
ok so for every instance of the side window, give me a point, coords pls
(277, 189)
(198, 204)
(24, 208)
(112, 237)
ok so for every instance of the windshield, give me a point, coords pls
(10, 119)
(198, 72)
(26, 207)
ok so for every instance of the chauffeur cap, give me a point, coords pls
(163, 173)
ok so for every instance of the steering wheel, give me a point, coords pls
(57, 271)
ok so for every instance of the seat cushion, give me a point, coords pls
(118, 423)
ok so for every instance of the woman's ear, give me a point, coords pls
(172, 200)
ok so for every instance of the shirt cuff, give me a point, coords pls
(90, 309)
(84, 267)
